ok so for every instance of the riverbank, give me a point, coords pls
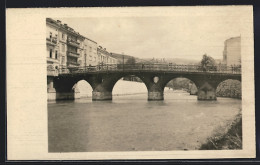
(226, 137)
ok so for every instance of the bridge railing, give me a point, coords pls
(151, 67)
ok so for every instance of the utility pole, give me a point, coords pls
(123, 61)
(85, 61)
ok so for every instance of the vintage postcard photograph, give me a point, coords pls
(130, 83)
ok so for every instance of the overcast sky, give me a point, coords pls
(186, 36)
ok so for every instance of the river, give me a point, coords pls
(131, 123)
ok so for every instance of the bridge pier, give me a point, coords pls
(99, 96)
(51, 91)
(68, 95)
(158, 95)
(62, 86)
(207, 95)
(206, 92)
(61, 89)
(155, 85)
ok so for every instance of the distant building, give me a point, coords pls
(105, 57)
(232, 51)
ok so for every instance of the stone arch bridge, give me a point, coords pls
(155, 77)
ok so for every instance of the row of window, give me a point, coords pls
(56, 54)
(90, 57)
(52, 36)
(109, 60)
(85, 51)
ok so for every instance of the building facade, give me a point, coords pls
(52, 45)
(66, 48)
(64, 45)
(105, 57)
(89, 54)
(232, 52)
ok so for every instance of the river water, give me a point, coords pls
(131, 123)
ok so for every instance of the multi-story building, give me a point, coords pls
(232, 51)
(62, 36)
(52, 44)
(66, 48)
(105, 57)
(89, 54)
(111, 60)
(64, 45)
(74, 47)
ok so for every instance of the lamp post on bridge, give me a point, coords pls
(85, 61)
(123, 61)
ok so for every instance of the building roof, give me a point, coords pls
(234, 38)
(64, 27)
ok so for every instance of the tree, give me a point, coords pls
(130, 61)
(208, 63)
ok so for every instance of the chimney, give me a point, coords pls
(58, 21)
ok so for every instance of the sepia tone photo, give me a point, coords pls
(158, 80)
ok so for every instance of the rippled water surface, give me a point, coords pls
(131, 123)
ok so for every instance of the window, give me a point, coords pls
(90, 49)
(62, 36)
(50, 53)
(50, 34)
(56, 54)
(63, 60)
(63, 48)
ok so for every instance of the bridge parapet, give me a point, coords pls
(150, 67)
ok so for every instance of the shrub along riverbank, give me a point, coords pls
(229, 88)
(226, 137)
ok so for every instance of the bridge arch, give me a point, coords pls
(183, 83)
(103, 82)
(129, 84)
(84, 88)
(103, 91)
(180, 82)
(67, 87)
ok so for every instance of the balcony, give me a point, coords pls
(72, 63)
(52, 41)
(73, 43)
(73, 54)
(52, 60)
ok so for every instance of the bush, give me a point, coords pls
(231, 139)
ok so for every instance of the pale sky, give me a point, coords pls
(187, 36)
